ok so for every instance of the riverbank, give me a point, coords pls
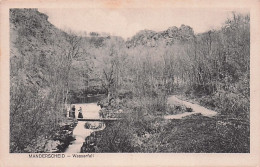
(62, 138)
(58, 141)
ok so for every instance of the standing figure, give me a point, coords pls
(73, 111)
(80, 113)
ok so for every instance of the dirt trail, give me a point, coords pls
(172, 100)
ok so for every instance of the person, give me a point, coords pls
(73, 111)
(80, 113)
(101, 114)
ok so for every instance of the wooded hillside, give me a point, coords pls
(50, 68)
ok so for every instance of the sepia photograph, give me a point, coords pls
(84, 81)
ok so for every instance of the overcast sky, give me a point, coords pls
(127, 22)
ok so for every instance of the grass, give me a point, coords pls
(202, 134)
(193, 134)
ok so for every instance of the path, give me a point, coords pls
(172, 100)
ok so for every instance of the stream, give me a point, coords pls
(89, 110)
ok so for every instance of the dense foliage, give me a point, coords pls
(41, 61)
(211, 67)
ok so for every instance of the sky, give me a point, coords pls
(128, 21)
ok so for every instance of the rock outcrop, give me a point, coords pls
(168, 37)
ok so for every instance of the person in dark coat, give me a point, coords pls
(80, 113)
(73, 111)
